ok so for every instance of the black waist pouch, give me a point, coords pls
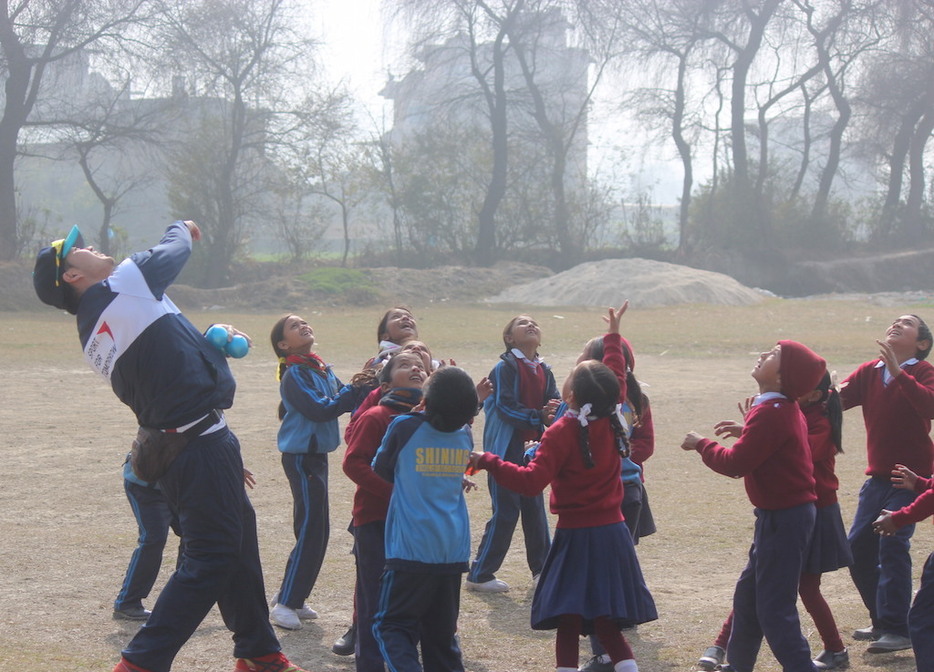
(154, 450)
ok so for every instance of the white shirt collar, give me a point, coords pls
(907, 362)
(767, 396)
(886, 376)
(521, 355)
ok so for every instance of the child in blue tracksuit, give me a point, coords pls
(312, 400)
(524, 396)
(427, 527)
(153, 518)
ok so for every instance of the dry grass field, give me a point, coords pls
(67, 529)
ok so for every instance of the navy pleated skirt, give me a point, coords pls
(829, 549)
(592, 571)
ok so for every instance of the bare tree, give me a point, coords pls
(244, 57)
(331, 164)
(34, 36)
(109, 136)
(484, 26)
(557, 82)
(658, 35)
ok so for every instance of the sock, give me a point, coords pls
(628, 665)
(565, 669)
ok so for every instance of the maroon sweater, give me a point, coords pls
(897, 416)
(772, 455)
(919, 509)
(371, 499)
(824, 454)
(580, 497)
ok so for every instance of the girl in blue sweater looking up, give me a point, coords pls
(312, 400)
(591, 581)
(525, 397)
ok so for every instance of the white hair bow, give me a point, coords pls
(583, 413)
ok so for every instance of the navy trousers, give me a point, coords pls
(508, 507)
(921, 620)
(764, 602)
(370, 552)
(881, 566)
(419, 608)
(220, 562)
(308, 478)
(153, 519)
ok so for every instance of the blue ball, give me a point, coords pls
(237, 347)
(217, 336)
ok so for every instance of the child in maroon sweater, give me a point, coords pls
(591, 580)
(774, 459)
(896, 392)
(829, 548)
(921, 614)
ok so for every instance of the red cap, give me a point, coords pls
(801, 369)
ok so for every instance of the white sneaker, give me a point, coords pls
(284, 617)
(306, 613)
(491, 586)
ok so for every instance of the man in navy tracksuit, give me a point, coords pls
(162, 367)
(427, 527)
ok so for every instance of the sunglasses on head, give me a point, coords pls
(62, 248)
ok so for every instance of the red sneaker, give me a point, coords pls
(126, 666)
(274, 662)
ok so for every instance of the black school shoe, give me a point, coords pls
(347, 642)
(888, 643)
(828, 660)
(595, 664)
(869, 634)
(131, 614)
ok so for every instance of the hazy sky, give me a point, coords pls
(354, 48)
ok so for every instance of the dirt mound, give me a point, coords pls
(642, 281)
(282, 289)
(452, 283)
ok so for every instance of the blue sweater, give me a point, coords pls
(427, 525)
(313, 401)
(505, 414)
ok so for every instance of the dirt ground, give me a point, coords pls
(68, 530)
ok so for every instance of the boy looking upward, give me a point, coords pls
(896, 392)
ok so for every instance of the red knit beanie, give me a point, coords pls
(801, 369)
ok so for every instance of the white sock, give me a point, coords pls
(565, 669)
(628, 665)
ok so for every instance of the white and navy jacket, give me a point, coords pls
(157, 362)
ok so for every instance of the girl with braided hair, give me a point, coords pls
(591, 581)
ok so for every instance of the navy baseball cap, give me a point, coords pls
(47, 273)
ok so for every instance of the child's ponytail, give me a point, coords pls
(583, 417)
(833, 408)
(596, 388)
(276, 335)
(622, 436)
